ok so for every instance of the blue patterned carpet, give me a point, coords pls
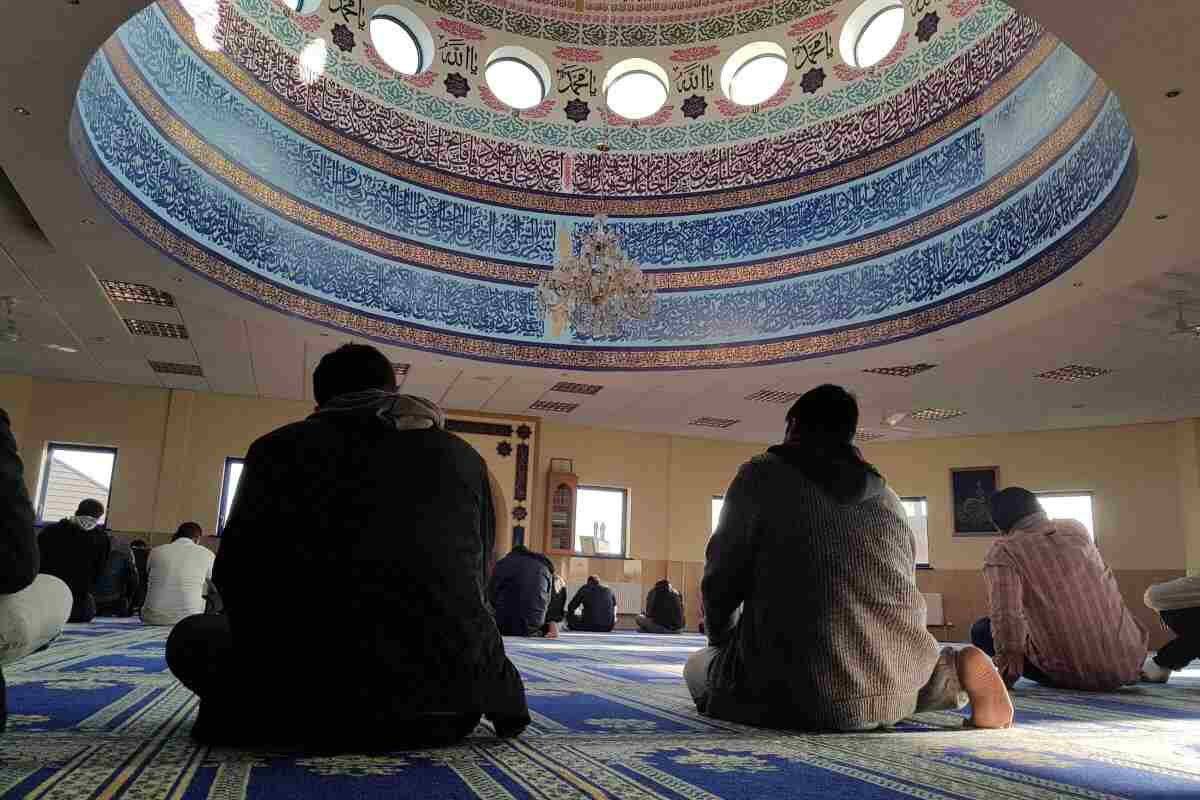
(98, 715)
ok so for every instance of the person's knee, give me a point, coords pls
(33, 617)
(195, 645)
(695, 671)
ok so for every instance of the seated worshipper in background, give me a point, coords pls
(141, 552)
(76, 550)
(523, 591)
(664, 610)
(815, 549)
(374, 502)
(599, 608)
(33, 608)
(117, 588)
(1178, 604)
(1057, 616)
(178, 579)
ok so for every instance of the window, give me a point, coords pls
(871, 32)
(72, 474)
(229, 486)
(718, 503)
(600, 518)
(517, 77)
(401, 39)
(917, 511)
(635, 88)
(1069, 505)
(754, 73)
(305, 7)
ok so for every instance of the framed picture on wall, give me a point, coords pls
(970, 489)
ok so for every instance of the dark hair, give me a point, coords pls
(1011, 505)
(828, 411)
(139, 543)
(593, 579)
(352, 368)
(90, 508)
(188, 530)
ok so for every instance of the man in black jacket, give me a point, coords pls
(664, 610)
(76, 550)
(526, 595)
(372, 500)
(116, 589)
(599, 608)
(33, 608)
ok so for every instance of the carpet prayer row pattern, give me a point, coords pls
(97, 715)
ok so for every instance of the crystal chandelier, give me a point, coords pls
(595, 289)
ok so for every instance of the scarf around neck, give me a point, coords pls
(402, 412)
(85, 522)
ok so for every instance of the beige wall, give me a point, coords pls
(173, 444)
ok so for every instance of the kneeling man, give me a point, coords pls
(371, 501)
(526, 595)
(810, 596)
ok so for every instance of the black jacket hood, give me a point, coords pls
(837, 467)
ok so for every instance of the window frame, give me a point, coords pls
(229, 462)
(921, 499)
(624, 491)
(1091, 495)
(44, 477)
(862, 31)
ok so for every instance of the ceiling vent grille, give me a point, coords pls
(171, 368)
(902, 371)
(1073, 373)
(935, 414)
(576, 388)
(867, 436)
(773, 396)
(167, 330)
(122, 292)
(714, 422)
(551, 405)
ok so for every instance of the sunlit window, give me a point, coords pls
(717, 504)
(600, 520)
(754, 73)
(1067, 505)
(917, 511)
(72, 474)
(518, 77)
(229, 486)
(872, 31)
(636, 88)
(397, 44)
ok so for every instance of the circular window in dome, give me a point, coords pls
(518, 77)
(636, 88)
(305, 7)
(754, 73)
(871, 32)
(401, 39)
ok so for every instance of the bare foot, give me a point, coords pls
(552, 630)
(990, 703)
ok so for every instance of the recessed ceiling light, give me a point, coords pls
(903, 371)
(935, 414)
(1174, 93)
(62, 348)
(22, 111)
(1073, 373)
(1161, 217)
(1078, 284)
(714, 422)
(87, 221)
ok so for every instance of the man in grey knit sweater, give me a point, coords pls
(813, 614)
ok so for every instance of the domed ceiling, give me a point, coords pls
(277, 154)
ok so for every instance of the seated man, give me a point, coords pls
(76, 550)
(117, 587)
(1178, 604)
(599, 608)
(33, 608)
(522, 592)
(1057, 617)
(664, 610)
(814, 549)
(178, 577)
(374, 505)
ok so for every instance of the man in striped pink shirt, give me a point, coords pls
(1057, 615)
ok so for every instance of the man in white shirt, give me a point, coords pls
(179, 573)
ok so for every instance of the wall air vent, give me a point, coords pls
(903, 371)
(145, 327)
(714, 422)
(171, 368)
(122, 292)
(773, 396)
(576, 388)
(550, 405)
(867, 436)
(401, 369)
(1072, 373)
(935, 414)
